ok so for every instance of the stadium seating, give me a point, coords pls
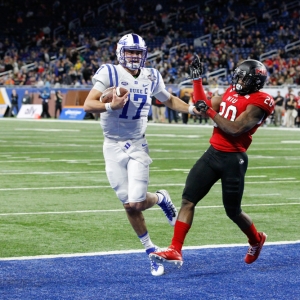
(72, 28)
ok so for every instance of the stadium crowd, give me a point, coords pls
(38, 55)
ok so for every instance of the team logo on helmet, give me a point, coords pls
(261, 71)
(249, 77)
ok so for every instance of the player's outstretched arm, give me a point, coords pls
(245, 121)
(196, 71)
(177, 104)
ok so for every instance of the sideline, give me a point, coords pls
(149, 123)
(140, 251)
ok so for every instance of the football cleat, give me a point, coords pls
(157, 269)
(254, 250)
(168, 207)
(170, 256)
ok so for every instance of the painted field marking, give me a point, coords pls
(118, 252)
(106, 186)
(49, 129)
(122, 210)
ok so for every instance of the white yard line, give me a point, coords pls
(50, 173)
(122, 210)
(106, 186)
(47, 129)
(139, 251)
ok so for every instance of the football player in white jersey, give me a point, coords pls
(124, 123)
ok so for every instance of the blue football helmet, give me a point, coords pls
(131, 42)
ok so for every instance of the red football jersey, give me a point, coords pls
(231, 107)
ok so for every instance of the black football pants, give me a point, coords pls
(230, 167)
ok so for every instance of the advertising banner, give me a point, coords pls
(3, 108)
(72, 113)
(30, 111)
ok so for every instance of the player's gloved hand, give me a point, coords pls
(201, 106)
(196, 68)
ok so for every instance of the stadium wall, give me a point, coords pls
(77, 96)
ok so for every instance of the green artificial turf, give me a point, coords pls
(55, 198)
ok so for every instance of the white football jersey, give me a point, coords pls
(130, 122)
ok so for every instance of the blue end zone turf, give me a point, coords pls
(214, 273)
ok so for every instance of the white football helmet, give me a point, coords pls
(131, 41)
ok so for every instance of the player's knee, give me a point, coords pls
(135, 206)
(233, 213)
(187, 205)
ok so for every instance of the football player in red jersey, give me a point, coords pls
(237, 114)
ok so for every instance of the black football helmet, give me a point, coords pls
(249, 77)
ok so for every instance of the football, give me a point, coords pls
(107, 95)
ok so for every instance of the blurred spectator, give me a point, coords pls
(58, 103)
(298, 108)
(185, 98)
(158, 111)
(290, 107)
(57, 51)
(45, 96)
(9, 81)
(279, 109)
(14, 109)
(27, 98)
(172, 114)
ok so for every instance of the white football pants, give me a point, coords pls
(127, 176)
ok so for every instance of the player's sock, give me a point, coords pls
(252, 234)
(180, 231)
(147, 243)
(160, 198)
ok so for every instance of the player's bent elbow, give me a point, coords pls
(234, 131)
(86, 107)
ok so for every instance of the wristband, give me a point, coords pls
(108, 107)
(191, 109)
(211, 113)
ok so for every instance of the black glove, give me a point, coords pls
(201, 106)
(196, 68)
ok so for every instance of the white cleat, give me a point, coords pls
(157, 269)
(168, 207)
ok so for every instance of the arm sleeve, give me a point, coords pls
(199, 93)
(101, 79)
(163, 95)
(159, 90)
(264, 101)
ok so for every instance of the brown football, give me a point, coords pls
(107, 95)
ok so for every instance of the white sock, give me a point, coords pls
(160, 198)
(146, 241)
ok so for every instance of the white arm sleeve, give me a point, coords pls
(101, 79)
(99, 86)
(163, 95)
